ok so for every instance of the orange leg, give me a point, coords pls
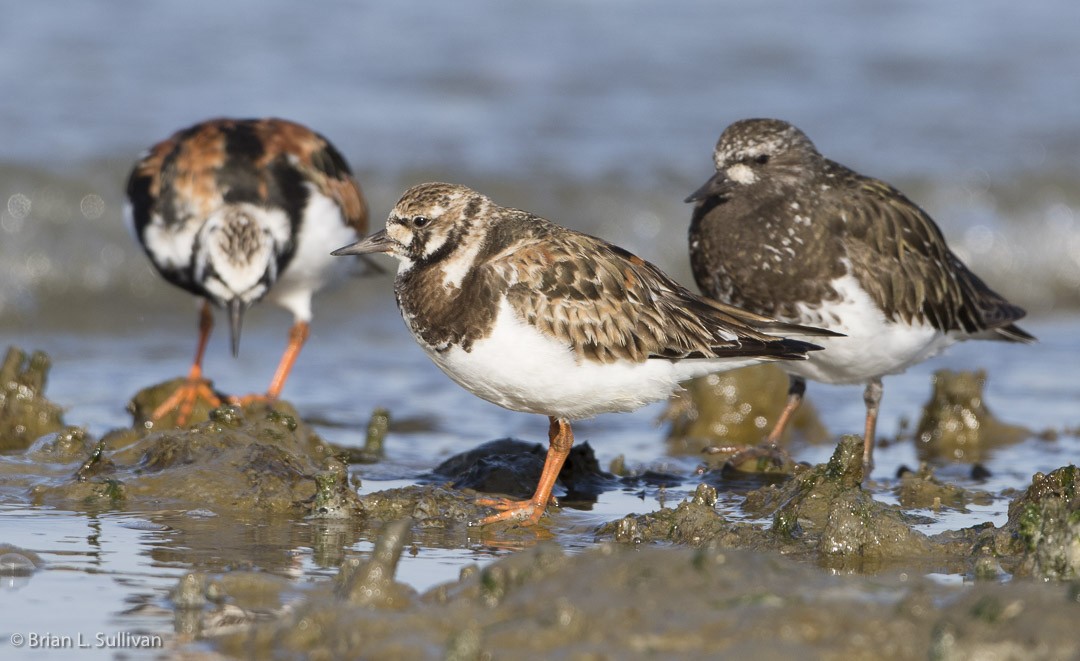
(196, 387)
(298, 335)
(528, 512)
(795, 397)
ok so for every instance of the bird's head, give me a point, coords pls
(235, 261)
(758, 152)
(431, 222)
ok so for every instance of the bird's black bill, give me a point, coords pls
(377, 242)
(716, 184)
(236, 321)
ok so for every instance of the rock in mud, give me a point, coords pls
(694, 522)
(430, 506)
(956, 424)
(511, 467)
(25, 413)
(143, 404)
(506, 467)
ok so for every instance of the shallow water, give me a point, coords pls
(600, 116)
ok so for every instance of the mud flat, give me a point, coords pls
(816, 566)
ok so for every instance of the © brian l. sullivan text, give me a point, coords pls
(100, 640)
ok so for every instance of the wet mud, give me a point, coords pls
(617, 602)
(678, 582)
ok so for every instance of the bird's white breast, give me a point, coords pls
(519, 368)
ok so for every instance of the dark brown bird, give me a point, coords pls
(783, 231)
(238, 211)
(538, 318)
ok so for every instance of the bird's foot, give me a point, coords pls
(184, 399)
(524, 512)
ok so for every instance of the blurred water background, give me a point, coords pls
(600, 115)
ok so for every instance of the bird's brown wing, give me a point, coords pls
(608, 304)
(901, 259)
(320, 163)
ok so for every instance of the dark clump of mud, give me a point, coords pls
(512, 467)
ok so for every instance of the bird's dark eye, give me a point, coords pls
(762, 159)
(420, 221)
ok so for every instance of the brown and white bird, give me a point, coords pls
(783, 231)
(236, 211)
(541, 319)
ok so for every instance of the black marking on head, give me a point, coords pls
(472, 209)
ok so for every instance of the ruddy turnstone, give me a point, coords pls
(235, 211)
(785, 232)
(538, 318)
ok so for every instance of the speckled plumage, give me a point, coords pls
(538, 318)
(781, 230)
(237, 211)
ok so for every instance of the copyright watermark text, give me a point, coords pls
(46, 640)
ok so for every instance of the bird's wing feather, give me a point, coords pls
(613, 305)
(903, 262)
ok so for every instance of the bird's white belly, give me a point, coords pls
(312, 267)
(873, 346)
(519, 368)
